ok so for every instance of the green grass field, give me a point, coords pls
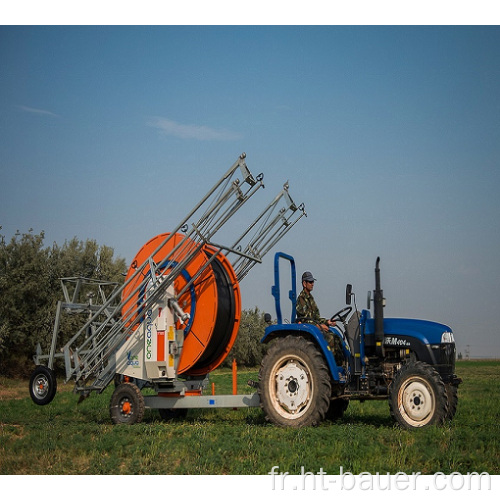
(66, 438)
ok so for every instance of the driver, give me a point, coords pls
(308, 312)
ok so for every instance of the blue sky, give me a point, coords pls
(389, 135)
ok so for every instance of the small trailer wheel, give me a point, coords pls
(127, 404)
(43, 385)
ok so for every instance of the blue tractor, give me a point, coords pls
(407, 361)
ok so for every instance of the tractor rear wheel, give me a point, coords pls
(43, 385)
(417, 396)
(127, 404)
(294, 383)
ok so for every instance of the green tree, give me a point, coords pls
(30, 289)
(88, 260)
(24, 280)
(247, 350)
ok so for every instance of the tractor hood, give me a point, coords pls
(428, 332)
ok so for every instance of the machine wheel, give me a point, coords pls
(452, 397)
(43, 385)
(172, 414)
(417, 396)
(127, 404)
(337, 408)
(294, 383)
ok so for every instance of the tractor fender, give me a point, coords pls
(311, 332)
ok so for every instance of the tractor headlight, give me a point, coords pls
(447, 338)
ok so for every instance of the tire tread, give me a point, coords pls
(426, 371)
(299, 346)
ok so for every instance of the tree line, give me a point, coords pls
(247, 350)
(30, 288)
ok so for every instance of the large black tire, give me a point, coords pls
(337, 408)
(43, 385)
(417, 396)
(294, 383)
(452, 397)
(127, 404)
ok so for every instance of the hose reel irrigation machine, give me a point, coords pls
(176, 317)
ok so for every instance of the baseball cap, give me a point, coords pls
(307, 276)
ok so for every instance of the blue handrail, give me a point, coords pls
(292, 294)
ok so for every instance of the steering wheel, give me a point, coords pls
(342, 314)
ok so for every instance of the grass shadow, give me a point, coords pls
(371, 420)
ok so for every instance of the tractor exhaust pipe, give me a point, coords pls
(378, 311)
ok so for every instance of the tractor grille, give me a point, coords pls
(447, 354)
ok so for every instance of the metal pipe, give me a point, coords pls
(378, 311)
(234, 368)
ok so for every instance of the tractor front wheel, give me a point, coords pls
(417, 396)
(452, 396)
(294, 383)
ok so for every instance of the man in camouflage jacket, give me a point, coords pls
(308, 312)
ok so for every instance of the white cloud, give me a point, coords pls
(198, 132)
(38, 111)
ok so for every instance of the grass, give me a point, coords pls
(66, 438)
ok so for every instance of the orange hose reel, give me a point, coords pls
(213, 300)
